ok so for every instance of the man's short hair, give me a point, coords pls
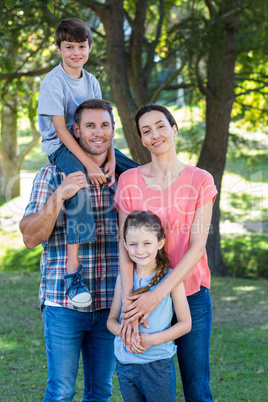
(73, 30)
(93, 104)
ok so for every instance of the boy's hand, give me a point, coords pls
(95, 175)
(109, 170)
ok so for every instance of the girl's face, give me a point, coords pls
(142, 246)
(156, 133)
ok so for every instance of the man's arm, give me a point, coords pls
(37, 227)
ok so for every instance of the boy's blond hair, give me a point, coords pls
(73, 30)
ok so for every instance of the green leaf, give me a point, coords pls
(50, 6)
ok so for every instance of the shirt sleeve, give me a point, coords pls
(97, 89)
(207, 191)
(43, 188)
(51, 99)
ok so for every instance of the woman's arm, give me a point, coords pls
(182, 327)
(126, 265)
(145, 303)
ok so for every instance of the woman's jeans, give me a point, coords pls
(80, 225)
(150, 382)
(67, 333)
(193, 349)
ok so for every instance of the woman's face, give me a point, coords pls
(156, 133)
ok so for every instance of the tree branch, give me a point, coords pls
(36, 135)
(203, 89)
(251, 90)
(210, 7)
(166, 83)
(150, 55)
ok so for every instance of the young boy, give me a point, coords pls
(61, 92)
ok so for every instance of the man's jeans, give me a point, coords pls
(193, 349)
(67, 332)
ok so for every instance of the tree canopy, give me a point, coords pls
(217, 48)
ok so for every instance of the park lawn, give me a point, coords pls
(239, 343)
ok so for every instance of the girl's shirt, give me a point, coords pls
(159, 320)
(175, 206)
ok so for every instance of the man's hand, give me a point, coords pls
(71, 184)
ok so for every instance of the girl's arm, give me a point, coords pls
(145, 303)
(95, 174)
(182, 327)
(113, 319)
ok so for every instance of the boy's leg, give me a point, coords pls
(193, 349)
(80, 225)
(64, 335)
(127, 377)
(158, 381)
(80, 220)
(123, 163)
(98, 359)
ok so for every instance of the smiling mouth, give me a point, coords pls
(156, 144)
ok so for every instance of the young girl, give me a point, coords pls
(145, 369)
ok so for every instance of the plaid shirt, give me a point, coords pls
(99, 258)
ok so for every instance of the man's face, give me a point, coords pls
(95, 131)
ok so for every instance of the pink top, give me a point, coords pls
(175, 206)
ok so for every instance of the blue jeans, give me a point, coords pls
(67, 332)
(79, 208)
(193, 349)
(150, 382)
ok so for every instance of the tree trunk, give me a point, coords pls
(112, 18)
(219, 101)
(9, 170)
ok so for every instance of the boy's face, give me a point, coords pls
(74, 56)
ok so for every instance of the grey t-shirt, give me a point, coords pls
(60, 95)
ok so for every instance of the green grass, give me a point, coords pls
(239, 342)
(246, 255)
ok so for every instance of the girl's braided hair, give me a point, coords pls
(152, 222)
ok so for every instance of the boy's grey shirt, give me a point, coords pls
(60, 95)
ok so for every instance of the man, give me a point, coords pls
(68, 329)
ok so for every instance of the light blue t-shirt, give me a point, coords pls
(60, 95)
(159, 320)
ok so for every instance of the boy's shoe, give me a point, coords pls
(77, 291)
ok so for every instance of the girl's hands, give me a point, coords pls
(135, 347)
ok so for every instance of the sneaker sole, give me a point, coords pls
(81, 304)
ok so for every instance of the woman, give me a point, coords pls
(182, 196)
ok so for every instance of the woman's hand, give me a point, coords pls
(141, 307)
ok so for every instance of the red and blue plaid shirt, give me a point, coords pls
(99, 258)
